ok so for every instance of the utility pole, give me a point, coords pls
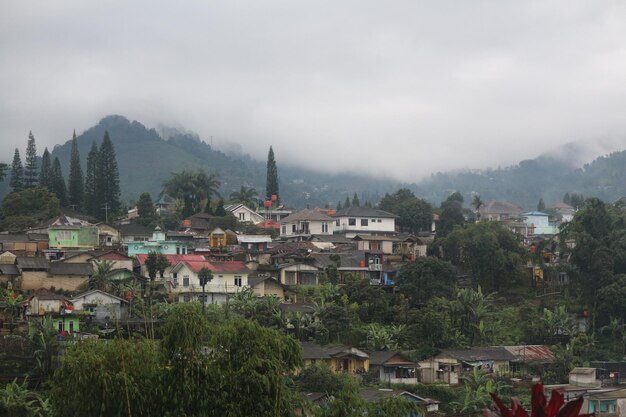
(106, 212)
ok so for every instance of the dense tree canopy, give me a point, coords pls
(426, 278)
(414, 214)
(451, 214)
(487, 251)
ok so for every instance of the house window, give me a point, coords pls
(293, 228)
(72, 326)
(175, 276)
(242, 216)
(185, 280)
(364, 222)
(379, 221)
(324, 227)
(237, 281)
(64, 235)
(184, 249)
(373, 220)
(177, 250)
(284, 230)
(60, 325)
(337, 223)
(351, 222)
(187, 298)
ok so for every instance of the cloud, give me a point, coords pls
(398, 88)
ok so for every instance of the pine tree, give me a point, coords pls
(108, 178)
(541, 206)
(355, 201)
(339, 206)
(57, 183)
(271, 184)
(17, 173)
(91, 203)
(75, 183)
(346, 204)
(145, 210)
(31, 173)
(46, 168)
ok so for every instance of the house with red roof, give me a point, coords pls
(229, 278)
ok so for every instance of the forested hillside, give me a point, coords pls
(146, 159)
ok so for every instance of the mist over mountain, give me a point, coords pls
(146, 157)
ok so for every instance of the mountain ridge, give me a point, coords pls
(147, 156)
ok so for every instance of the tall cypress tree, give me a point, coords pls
(271, 184)
(17, 173)
(75, 183)
(31, 173)
(46, 168)
(108, 178)
(355, 201)
(57, 183)
(91, 203)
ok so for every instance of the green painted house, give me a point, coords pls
(67, 232)
(158, 244)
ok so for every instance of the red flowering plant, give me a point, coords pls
(540, 406)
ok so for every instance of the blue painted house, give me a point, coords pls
(158, 244)
(540, 223)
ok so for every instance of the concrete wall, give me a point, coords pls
(32, 280)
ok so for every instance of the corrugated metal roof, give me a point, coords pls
(31, 262)
(531, 353)
(63, 268)
(480, 354)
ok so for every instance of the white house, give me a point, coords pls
(244, 213)
(101, 305)
(364, 220)
(305, 223)
(539, 222)
(228, 278)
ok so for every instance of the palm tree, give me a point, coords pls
(206, 187)
(100, 278)
(245, 196)
(191, 187)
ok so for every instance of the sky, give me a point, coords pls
(396, 88)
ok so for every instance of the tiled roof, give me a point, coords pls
(500, 207)
(363, 212)
(382, 357)
(307, 215)
(375, 238)
(173, 259)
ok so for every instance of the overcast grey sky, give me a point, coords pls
(401, 88)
